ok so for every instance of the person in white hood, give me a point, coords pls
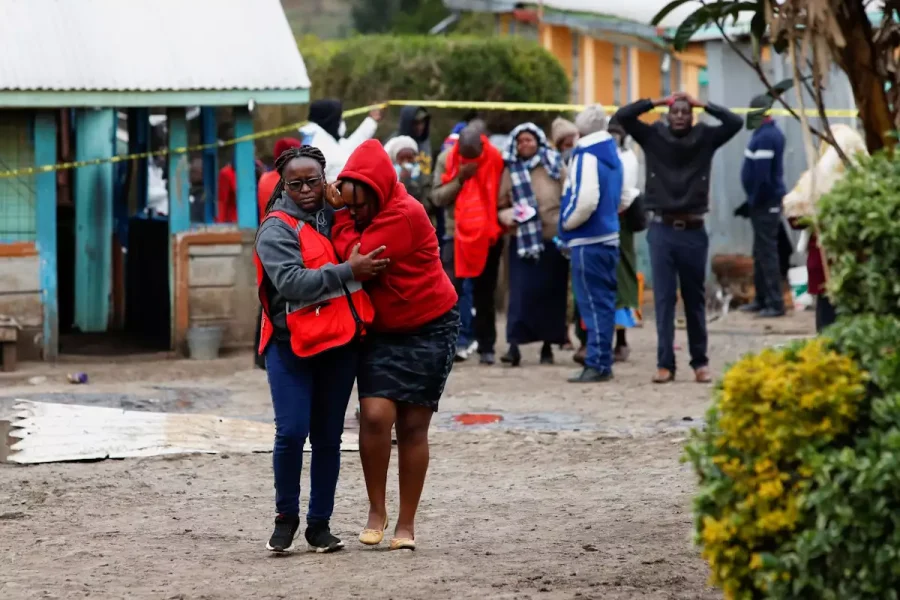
(326, 130)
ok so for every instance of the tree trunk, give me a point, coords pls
(858, 59)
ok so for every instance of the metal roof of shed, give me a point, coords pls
(145, 47)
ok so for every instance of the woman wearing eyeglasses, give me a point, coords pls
(314, 311)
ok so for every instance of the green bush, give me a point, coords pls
(367, 69)
(847, 545)
(860, 226)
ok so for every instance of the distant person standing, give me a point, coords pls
(679, 156)
(589, 227)
(530, 192)
(415, 122)
(326, 130)
(762, 176)
(467, 185)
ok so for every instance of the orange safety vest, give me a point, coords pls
(334, 319)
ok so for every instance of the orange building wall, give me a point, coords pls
(604, 58)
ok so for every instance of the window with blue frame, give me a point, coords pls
(17, 194)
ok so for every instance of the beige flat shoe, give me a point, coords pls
(403, 544)
(373, 537)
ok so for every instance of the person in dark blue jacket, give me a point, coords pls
(762, 176)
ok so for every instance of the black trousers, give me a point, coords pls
(678, 259)
(766, 223)
(825, 314)
(484, 292)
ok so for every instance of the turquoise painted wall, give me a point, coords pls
(17, 194)
(94, 138)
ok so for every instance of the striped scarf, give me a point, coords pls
(529, 231)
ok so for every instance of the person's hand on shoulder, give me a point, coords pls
(367, 266)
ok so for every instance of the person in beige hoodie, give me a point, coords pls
(530, 190)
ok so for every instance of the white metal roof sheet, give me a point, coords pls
(148, 45)
(638, 11)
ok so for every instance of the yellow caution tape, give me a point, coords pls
(445, 104)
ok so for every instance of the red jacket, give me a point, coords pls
(227, 210)
(264, 190)
(414, 289)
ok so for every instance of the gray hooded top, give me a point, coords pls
(287, 278)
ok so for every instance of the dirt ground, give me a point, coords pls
(577, 493)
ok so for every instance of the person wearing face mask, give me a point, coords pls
(679, 156)
(404, 154)
(326, 130)
(314, 312)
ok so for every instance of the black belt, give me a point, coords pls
(679, 222)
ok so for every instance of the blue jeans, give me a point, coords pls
(678, 259)
(466, 335)
(594, 282)
(310, 397)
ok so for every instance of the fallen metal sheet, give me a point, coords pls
(39, 432)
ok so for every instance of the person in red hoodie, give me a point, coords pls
(408, 353)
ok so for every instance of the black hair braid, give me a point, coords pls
(282, 161)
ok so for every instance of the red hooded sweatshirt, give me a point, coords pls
(414, 289)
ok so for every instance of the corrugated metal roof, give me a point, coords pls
(148, 45)
(638, 11)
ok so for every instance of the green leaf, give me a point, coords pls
(697, 19)
(783, 86)
(665, 10)
(758, 25)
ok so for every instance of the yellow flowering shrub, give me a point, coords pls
(771, 410)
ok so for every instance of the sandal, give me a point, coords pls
(664, 376)
(373, 537)
(403, 544)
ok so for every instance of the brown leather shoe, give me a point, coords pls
(703, 375)
(664, 376)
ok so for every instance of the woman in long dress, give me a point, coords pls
(627, 299)
(530, 191)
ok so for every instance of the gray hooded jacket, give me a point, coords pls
(287, 278)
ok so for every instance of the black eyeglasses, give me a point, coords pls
(298, 184)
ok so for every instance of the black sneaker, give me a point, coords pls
(770, 313)
(321, 540)
(282, 540)
(589, 375)
(487, 359)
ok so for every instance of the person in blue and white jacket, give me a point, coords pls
(762, 176)
(589, 227)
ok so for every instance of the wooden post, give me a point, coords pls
(45, 183)
(179, 176)
(94, 218)
(245, 170)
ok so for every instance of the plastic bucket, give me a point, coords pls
(204, 342)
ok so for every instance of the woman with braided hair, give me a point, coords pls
(314, 312)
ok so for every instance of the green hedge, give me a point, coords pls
(860, 222)
(367, 69)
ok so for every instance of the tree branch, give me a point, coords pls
(820, 105)
(757, 68)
